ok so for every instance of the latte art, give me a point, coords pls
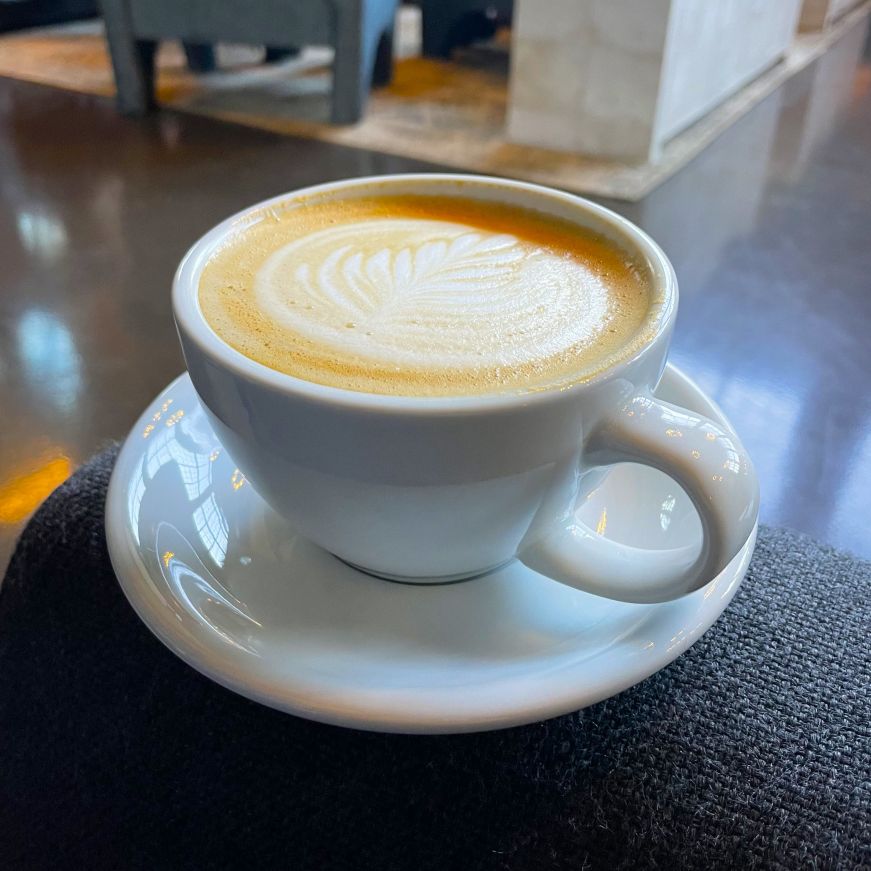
(430, 293)
(419, 297)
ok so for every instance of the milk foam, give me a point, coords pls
(419, 303)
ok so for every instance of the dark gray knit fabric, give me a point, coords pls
(750, 751)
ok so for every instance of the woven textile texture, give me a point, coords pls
(752, 750)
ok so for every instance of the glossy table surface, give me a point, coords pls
(769, 230)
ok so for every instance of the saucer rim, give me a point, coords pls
(305, 701)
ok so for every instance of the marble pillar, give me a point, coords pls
(618, 78)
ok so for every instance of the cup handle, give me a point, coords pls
(711, 465)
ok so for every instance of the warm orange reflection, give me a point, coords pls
(20, 496)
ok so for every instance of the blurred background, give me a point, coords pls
(737, 133)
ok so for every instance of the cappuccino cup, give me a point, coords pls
(426, 374)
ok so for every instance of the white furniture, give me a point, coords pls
(618, 78)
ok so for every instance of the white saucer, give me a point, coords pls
(239, 595)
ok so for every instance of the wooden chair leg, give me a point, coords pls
(382, 72)
(132, 60)
(435, 29)
(200, 57)
(350, 84)
(136, 83)
(360, 29)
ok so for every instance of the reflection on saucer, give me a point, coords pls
(234, 590)
(200, 592)
(181, 446)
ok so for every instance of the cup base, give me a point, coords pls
(427, 581)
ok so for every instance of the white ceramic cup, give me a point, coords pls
(435, 489)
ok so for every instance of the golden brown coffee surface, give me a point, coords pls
(417, 295)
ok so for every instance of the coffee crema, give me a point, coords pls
(421, 295)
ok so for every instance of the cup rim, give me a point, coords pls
(191, 322)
